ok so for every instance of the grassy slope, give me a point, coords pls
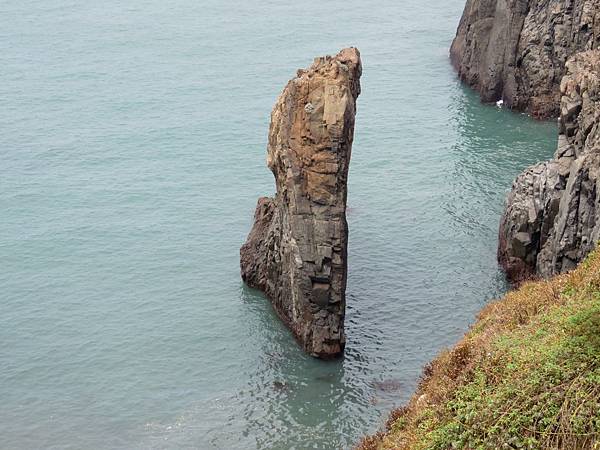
(527, 375)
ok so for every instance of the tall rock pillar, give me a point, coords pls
(296, 252)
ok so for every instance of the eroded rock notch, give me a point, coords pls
(296, 252)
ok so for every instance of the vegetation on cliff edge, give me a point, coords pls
(526, 376)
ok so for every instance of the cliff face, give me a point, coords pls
(296, 251)
(515, 50)
(552, 216)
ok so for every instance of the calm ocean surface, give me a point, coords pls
(132, 153)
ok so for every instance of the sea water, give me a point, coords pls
(132, 153)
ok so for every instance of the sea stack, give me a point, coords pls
(516, 50)
(296, 252)
(552, 215)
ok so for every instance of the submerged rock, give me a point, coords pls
(296, 251)
(515, 50)
(552, 216)
(389, 385)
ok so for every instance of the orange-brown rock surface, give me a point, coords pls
(296, 252)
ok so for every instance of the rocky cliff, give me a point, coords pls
(296, 252)
(552, 216)
(515, 50)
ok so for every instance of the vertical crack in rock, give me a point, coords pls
(296, 252)
(516, 50)
(552, 216)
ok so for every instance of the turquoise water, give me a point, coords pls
(132, 153)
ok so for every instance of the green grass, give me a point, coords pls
(527, 376)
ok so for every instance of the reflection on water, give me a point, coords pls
(288, 390)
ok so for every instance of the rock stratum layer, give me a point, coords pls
(516, 50)
(296, 252)
(552, 216)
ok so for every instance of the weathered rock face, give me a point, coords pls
(516, 50)
(296, 251)
(552, 216)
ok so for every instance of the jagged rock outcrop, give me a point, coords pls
(296, 252)
(552, 216)
(515, 50)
